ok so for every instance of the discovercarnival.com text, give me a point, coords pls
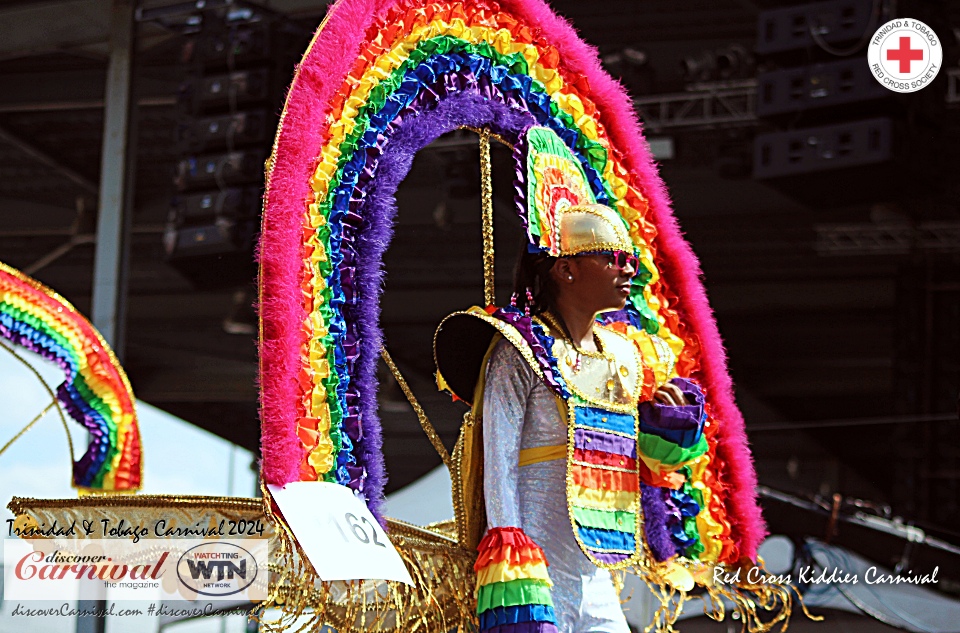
(69, 611)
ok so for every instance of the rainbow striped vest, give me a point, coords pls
(603, 480)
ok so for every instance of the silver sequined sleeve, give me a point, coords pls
(520, 412)
(508, 383)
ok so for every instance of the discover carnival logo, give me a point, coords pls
(69, 566)
(174, 569)
(905, 55)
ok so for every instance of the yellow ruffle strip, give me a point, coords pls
(708, 527)
(604, 499)
(505, 572)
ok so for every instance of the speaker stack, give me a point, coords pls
(835, 135)
(237, 66)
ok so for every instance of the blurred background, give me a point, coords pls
(824, 208)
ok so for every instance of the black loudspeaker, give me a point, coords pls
(819, 86)
(795, 28)
(215, 254)
(236, 65)
(226, 131)
(823, 148)
(232, 46)
(220, 236)
(234, 89)
(239, 203)
(219, 170)
(848, 163)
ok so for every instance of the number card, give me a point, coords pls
(338, 533)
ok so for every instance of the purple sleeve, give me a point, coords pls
(682, 425)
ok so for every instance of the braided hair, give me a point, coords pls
(532, 279)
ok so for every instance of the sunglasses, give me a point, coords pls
(620, 259)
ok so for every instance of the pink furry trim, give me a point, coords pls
(679, 266)
(320, 75)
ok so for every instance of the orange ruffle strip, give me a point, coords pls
(600, 479)
(672, 480)
(729, 552)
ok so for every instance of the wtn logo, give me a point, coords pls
(224, 568)
(219, 569)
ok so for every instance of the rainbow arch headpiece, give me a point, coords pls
(95, 391)
(381, 80)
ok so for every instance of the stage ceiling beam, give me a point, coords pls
(113, 218)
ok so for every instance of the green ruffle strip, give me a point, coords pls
(668, 453)
(651, 325)
(513, 593)
(544, 143)
(605, 519)
(690, 523)
(332, 381)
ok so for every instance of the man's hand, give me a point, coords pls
(670, 394)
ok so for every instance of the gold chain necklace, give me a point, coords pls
(556, 325)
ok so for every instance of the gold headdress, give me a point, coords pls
(590, 228)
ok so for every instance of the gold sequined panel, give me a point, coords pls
(611, 379)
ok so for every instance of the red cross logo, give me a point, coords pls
(905, 54)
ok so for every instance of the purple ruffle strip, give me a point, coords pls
(540, 343)
(361, 272)
(655, 513)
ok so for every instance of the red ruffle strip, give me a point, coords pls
(600, 479)
(602, 458)
(509, 544)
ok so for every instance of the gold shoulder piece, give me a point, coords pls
(461, 342)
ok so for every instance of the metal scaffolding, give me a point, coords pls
(707, 104)
(888, 239)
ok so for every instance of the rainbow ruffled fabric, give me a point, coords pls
(603, 490)
(417, 55)
(382, 80)
(554, 179)
(95, 391)
(513, 587)
(539, 341)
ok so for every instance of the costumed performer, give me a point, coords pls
(557, 400)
